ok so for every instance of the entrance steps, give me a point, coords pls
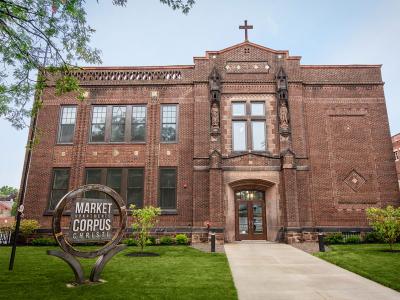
(254, 242)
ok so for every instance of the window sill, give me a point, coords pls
(166, 212)
(64, 144)
(117, 143)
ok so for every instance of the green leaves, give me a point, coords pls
(144, 220)
(386, 222)
(36, 34)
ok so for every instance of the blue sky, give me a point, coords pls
(322, 32)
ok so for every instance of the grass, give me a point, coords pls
(373, 261)
(180, 272)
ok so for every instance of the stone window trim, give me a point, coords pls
(49, 210)
(108, 124)
(176, 123)
(248, 118)
(65, 118)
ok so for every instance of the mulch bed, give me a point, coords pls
(142, 254)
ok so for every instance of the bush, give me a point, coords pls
(144, 219)
(352, 239)
(151, 240)
(44, 241)
(181, 239)
(371, 237)
(167, 240)
(129, 242)
(28, 227)
(334, 238)
(386, 222)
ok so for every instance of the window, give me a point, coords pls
(59, 186)
(138, 130)
(98, 130)
(397, 155)
(135, 187)
(93, 176)
(114, 179)
(168, 127)
(258, 135)
(129, 183)
(239, 136)
(118, 124)
(67, 124)
(168, 188)
(248, 126)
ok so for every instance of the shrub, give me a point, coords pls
(44, 241)
(151, 240)
(371, 237)
(386, 222)
(181, 239)
(334, 238)
(167, 240)
(129, 242)
(28, 227)
(144, 219)
(352, 239)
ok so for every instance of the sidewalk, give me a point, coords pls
(279, 271)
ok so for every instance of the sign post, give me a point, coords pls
(91, 221)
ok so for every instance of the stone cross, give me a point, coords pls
(246, 27)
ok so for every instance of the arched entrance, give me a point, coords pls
(250, 214)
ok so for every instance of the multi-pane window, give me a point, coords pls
(59, 186)
(248, 126)
(129, 183)
(169, 123)
(118, 124)
(67, 124)
(114, 179)
(93, 176)
(138, 130)
(167, 188)
(98, 130)
(135, 184)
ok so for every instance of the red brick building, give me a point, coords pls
(246, 141)
(396, 150)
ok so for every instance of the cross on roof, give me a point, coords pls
(246, 27)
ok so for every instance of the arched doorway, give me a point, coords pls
(250, 214)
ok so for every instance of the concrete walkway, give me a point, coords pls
(279, 271)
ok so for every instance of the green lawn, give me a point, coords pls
(179, 272)
(369, 260)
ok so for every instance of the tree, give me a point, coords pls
(386, 222)
(39, 38)
(144, 219)
(6, 190)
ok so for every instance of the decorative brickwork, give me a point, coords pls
(328, 154)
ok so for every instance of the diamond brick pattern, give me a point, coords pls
(354, 180)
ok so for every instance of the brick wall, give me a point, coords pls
(340, 160)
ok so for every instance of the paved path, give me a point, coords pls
(279, 271)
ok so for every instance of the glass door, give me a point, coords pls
(250, 215)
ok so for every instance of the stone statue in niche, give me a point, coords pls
(283, 115)
(214, 116)
(214, 81)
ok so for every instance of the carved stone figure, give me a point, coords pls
(214, 115)
(284, 115)
(214, 80)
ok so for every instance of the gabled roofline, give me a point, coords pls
(247, 43)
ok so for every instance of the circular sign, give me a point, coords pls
(99, 214)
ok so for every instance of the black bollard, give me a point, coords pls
(212, 242)
(321, 242)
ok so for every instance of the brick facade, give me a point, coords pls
(325, 162)
(396, 150)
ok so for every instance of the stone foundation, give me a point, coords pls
(292, 237)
